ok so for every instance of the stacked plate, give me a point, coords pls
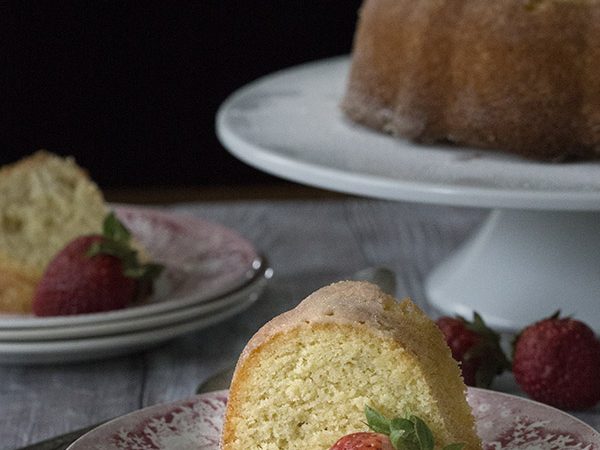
(211, 273)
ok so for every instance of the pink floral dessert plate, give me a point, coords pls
(204, 262)
(504, 421)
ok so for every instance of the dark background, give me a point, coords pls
(131, 88)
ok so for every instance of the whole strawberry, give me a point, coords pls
(92, 273)
(476, 347)
(363, 440)
(557, 361)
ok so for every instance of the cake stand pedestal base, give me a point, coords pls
(522, 266)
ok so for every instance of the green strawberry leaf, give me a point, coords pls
(113, 229)
(115, 242)
(479, 326)
(492, 359)
(147, 271)
(555, 315)
(126, 254)
(424, 434)
(376, 421)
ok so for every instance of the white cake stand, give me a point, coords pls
(538, 251)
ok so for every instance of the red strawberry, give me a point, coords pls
(557, 361)
(364, 440)
(91, 274)
(476, 347)
(399, 433)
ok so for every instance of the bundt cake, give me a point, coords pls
(513, 75)
(45, 201)
(305, 378)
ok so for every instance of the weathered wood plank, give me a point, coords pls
(308, 243)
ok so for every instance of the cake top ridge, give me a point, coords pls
(356, 303)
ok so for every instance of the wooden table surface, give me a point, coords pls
(309, 243)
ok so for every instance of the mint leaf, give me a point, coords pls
(376, 421)
(403, 425)
(424, 435)
(408, 433)
(400, 441)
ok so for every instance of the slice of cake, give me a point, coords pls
(45, 201)
(305, 378)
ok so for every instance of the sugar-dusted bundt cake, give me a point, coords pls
(45, 201)
(304, 379)
(515, 75)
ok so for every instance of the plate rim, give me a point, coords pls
(224, 392)
(11, 353)
(538, 403)
(150, 321)
(8, 321)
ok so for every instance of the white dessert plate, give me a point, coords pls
(83, 349)
(289, 123)
(203, 262)
(503, 422)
